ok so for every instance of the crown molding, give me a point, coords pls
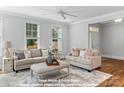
(3, 12)
(106, 17)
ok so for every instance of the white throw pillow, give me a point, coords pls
(82, 53)
(27, 54)
(45, 52)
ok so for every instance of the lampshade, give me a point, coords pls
(8, 44)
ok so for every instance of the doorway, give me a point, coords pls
(108, 38)
(94, 36)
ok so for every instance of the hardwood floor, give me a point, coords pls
(116, 68)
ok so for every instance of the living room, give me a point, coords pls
(59, 27)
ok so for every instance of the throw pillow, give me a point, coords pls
(20, 55)
(88, 53)
(36, 53)
(75, 52)
(27, 54)
(45, 52)
(82, 53)
(95, 52)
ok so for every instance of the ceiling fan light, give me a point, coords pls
(118, 20)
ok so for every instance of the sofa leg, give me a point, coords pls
(89, 70)
(98, 67)
(16, 71)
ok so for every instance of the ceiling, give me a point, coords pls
(49, 12)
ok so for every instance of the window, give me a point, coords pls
(1, 37)
(57, 36)
(32, 38)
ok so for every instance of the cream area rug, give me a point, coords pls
(78, 78)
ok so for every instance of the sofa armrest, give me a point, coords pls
(15, 58)
(96, 61)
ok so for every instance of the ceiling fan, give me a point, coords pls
(63, 12)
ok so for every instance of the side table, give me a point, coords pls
(7, 65)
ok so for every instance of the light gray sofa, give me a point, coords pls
(89, 64)
(25, 63)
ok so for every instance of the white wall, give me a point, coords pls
(112, 38)
(14, 30)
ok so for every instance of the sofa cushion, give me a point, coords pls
(71, 58)
(39, 59)
(83, 61)
(24, 61)
(95, 52)
(35, 53)
(19, 54)
(31, 60)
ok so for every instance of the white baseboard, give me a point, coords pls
(115, 57)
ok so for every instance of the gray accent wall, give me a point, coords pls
(78, 35)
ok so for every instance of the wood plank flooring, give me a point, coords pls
(116, 68)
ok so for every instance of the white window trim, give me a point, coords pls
(56, 25)
(38, 34)
(2, 37)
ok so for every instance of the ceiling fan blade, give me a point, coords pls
(58, 8)
(70, 14)
(48, 13)
(73, 11)
(63, 16)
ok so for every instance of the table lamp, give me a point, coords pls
(7, 52)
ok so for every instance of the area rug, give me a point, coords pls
(78, 78)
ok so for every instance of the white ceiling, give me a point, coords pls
(83, 12)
